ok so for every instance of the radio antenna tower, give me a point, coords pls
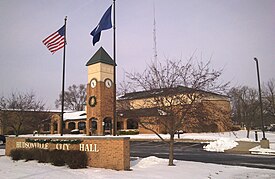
(155, 38)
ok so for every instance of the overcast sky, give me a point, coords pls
(231, 32)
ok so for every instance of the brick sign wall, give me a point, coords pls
(103, 152)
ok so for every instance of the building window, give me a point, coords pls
(46, 127)
(81, 125)
(132, 124)
(71, 125)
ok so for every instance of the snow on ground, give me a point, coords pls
(236, 135)
(220, 141)
(150, 167)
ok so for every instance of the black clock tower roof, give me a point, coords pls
(101, 56)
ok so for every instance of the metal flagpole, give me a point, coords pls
(114, 53)
(63, 80)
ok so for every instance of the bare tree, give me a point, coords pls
(17, 111)
(3, 115)
(74, 98)
(269, 100)
(124, 87)
(177, 91)
(245, 106)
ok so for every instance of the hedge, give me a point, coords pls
(73, 158)
(128, 132)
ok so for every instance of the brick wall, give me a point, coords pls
(103, 152)
(104, 107)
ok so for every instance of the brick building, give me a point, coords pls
(137, 110)
(136, 107)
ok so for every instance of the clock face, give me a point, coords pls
(93, 83)
(108, 83)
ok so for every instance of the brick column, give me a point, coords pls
(88, 126)
(76, 125)
(59, 127)
(100, 126)
(125, 123)
(66, 125)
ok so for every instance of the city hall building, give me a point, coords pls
(98, 118)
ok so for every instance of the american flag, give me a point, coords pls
(56, 40)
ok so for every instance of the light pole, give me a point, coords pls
(260, 96)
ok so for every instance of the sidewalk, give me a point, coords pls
(243, 147)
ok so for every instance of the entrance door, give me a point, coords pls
(93, 129)
(107, 126)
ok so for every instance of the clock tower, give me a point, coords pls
(100, 94)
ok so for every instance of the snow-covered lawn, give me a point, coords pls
(235, 135)
(150, 167)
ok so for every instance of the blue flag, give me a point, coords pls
(104, 24)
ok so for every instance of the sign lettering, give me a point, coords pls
(28, 145)
(58, 146)
(88, 148)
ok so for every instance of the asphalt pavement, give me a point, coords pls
(194, 152)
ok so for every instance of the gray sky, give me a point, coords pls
(231, 32)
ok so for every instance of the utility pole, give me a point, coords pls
(260, 96)
(264, 142)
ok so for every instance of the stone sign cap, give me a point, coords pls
(101, 56)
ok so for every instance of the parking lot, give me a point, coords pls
(194, 152)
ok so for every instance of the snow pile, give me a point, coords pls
(151, 162)
(262, 151)
(221, 145)
(2, 152)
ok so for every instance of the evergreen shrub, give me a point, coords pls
(128, 132)
(17, 154)
(57, 158)
(76, 159)
(44, 156)
(29, 154)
